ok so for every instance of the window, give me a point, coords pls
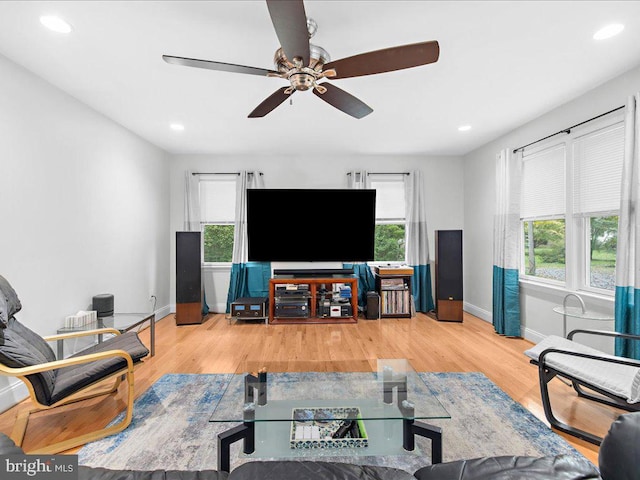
(543, 214)
(390, 218)
(601, 259)
(579, 174)
(546, 239)
(597, 166)
(217, 212)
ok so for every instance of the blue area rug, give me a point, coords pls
(170, 427)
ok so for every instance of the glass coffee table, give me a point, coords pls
(302, 410)
(122, 322)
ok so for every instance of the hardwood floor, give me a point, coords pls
(217, 346)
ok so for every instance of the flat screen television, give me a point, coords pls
(314, 225)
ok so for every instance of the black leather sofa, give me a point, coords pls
(619, 459)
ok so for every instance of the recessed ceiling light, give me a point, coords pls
(177, 127)
(464, 128)
(608, 31)
(55, 23)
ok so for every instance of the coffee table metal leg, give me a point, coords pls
(410, 428)
(245, 432)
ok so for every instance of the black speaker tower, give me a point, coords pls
(449, 275)
(188, 278)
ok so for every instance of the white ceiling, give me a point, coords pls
(501, 64)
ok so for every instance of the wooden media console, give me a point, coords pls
(309, 292)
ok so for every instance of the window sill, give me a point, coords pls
(216, 266)
(596, 299)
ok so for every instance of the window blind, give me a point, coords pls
(217, 199)
(390, 203)
(597, 163)
(543, 183)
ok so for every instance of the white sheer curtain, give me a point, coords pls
(191, 202)
(417, 244)
(627, 307)
(246, 181)
(248, 279)
(358, 179)
(506, 244)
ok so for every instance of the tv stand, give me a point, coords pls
(313, 272)
(303, 295)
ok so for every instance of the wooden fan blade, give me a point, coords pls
(275, 99)
(208, 64)
(386, 60)
(343, 101)
(290, 22)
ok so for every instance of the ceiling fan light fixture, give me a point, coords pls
(56, 24)
(608, 31)
(177, 127)
(303, 64)
(464, 128)
(312, 26)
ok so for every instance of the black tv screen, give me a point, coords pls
(315, 225)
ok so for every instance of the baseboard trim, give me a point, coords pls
(12, 394)
(163, 312)
(217, 308)
(529, 334)
(478, 312)
(533, 336)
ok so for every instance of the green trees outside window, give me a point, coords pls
(389, 243)
(218, 243)
(602, 251)
(546, 240)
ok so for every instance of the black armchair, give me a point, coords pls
(52, 383)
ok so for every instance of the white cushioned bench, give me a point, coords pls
(610, 380)
(618, 379)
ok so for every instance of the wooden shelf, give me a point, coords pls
(395, 294)
(312, 301)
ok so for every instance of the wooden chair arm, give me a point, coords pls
(82, 333)
(44, 367)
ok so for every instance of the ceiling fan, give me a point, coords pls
(304, 64)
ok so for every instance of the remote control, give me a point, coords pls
(344, 428)
(354, 431)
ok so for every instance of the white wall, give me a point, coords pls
(84, 206)
(443, 179)
(538, 319)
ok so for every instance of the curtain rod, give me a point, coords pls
(384, 173)
(221, 173)
(568, 129)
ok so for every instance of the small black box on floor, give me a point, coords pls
(249, 307)
(373, 306)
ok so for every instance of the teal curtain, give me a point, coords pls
(366, 280)
(506, 301)
(421, 287)
(506, 245)
(250, 279)
(192, 215)
(358, 180)
(205, 306)
(417, 241)
(627, 304)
